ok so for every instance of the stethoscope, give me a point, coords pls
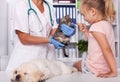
(31, 9)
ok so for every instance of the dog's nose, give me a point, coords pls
(12, 80)
(18, 77)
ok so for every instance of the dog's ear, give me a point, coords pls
(39, 73)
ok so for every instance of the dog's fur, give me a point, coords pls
(40, 69)
(59, 35)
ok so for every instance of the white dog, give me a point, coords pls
(39, 70)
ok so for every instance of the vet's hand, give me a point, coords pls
(57, 44)
(82, 27)
(68, 31)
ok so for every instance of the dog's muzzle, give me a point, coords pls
(17, 78)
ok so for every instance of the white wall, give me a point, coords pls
(119, 27)
(3, 27)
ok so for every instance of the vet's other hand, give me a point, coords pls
(57, 44)
(68, 31)
(82, 27)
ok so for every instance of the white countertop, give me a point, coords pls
(75, 77)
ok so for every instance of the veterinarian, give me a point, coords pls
(35, 23)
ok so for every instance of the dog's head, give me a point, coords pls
(27, 73)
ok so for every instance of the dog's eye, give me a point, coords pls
(15, 72)
(25, 73)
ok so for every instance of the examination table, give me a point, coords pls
(75, 77)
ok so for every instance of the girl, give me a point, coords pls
(101, 42)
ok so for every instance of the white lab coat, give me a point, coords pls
(22, 53)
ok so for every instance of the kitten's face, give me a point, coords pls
(67, 20)
(59, 35)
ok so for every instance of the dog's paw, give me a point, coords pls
(41, 81)
(74, 70)
(43, 78)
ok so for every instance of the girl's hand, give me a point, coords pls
(82, 27)
(111, 74)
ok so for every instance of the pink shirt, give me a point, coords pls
(95, 60)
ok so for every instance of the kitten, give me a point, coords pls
(59, 36)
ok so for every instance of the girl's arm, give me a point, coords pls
(86, 34)
(108, 54)
(82, 27)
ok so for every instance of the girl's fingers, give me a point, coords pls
(77, 23)
(81, 26)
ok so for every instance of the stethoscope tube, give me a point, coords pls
(31, 9)
(49, 12)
